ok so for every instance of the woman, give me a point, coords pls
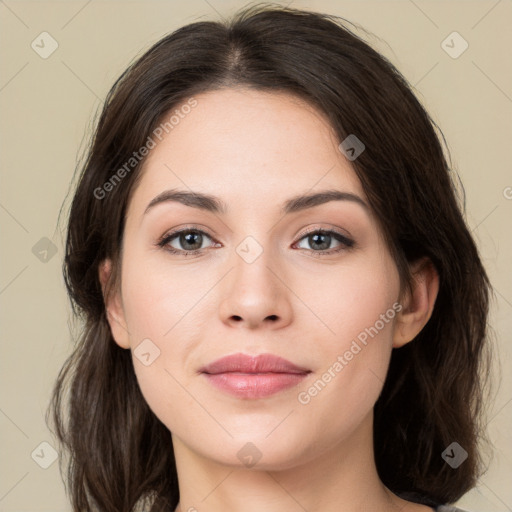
(284, 308)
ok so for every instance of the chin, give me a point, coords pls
(259, 452)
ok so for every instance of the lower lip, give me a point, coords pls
(254, 385)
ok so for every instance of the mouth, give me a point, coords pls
(252, 377)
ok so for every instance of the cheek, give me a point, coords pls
(342, 393)
(161, 310)
(157, 297)
(360, 310)
(353, 300)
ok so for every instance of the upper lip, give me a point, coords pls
(244, 363)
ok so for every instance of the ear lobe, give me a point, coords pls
(418, 305)
(113, 306)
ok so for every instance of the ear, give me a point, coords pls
(418, 305)
(114, 307)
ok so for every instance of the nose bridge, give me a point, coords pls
(252, 262)
(256, 250)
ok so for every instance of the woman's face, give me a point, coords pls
(262, 281)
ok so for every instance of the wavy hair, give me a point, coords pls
(121, 455)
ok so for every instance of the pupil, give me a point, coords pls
(325, 245)
(188, 239)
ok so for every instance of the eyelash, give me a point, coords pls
(346, 243)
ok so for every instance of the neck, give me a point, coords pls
(341, 478)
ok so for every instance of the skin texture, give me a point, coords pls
(255, 150)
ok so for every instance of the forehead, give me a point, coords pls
(249, 147)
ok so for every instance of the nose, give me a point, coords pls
(255, 294)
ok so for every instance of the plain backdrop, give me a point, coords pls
(47, 107)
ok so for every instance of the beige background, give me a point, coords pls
(47, 107)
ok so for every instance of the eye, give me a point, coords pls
(185, 241)
(320, 240)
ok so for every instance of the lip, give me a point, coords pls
(246, 376)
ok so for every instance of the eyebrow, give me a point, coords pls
(214, 204)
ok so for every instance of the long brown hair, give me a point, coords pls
(121, 455)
